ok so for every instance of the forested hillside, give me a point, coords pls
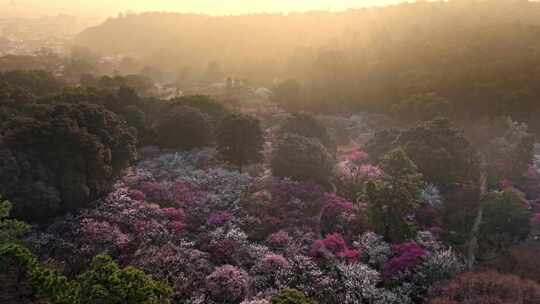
(481, 57)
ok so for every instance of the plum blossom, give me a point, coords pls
(333, 245)
(406, 256)
(227, 284)
(356, 156)
(375, 251)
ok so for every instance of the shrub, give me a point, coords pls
(240, 139)
(286, 205)
(105, 282)
(183, 128)
(215, 110)
(406, 256)
(227, 284)
(302, 159)
(290, 296)
(62, 158)
(375, 251)
(269, 272)
(333, 246)
(184, 267)
(359, 285)
(10, 230)
(308, 126)
(505, 222)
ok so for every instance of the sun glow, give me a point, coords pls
(111, 7)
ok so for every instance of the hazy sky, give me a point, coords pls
(112, 7)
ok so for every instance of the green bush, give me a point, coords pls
(302, 159)
(10, 230)
(183, 128)
(105, 282)
(240, 139)
(308, 126)
(206, 104)
(291, 296)
(505, 222)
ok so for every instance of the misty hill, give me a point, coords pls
(262, 47)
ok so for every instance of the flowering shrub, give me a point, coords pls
(353, 173)
(356, 156)
(227, 284)
(219, 218)
(304, 274)
(103, 232)
(430, 195)
(269, 272)
(183, 266)
(359, 285)
(375, 251)
(406, 256)
(340, 216)
(177, 217)
(278, 240)
(333, 246)
(137, 195)
(155, 192)
(286, 205)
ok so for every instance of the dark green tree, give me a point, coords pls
(441, 152)
(10, 230)
(62, 157)
(37, 82)
(105, 282)
(206, 104)
(505, 222)
(308, 126)
(420, 107)
(288, 94)
(302, 159)
(183, 128)
(240, 139)
(394, 197)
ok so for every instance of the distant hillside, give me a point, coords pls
(275, 44)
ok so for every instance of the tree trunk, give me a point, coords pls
(473, 242)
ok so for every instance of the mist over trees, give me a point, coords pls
(382, 155)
